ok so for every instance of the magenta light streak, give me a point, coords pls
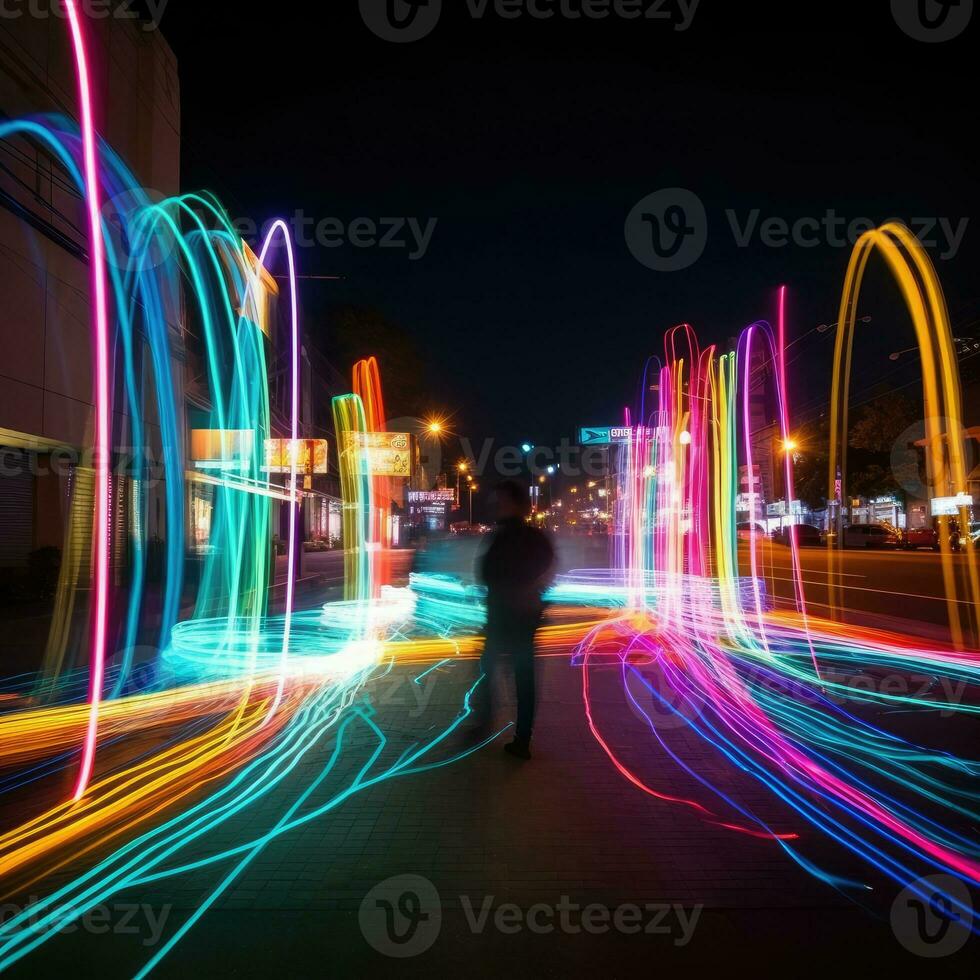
(281, 226)
(100, 314)
(747, 424)
(788, 464)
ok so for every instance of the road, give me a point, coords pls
(906, 585)
(887, 588)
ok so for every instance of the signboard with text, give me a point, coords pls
(311, 456)
(607, 435)
(432, 496)
(950, 506)
(217, 448)
(382, 453)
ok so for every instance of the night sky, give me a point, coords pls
(530, 141)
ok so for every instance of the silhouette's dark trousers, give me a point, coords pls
(515, 569)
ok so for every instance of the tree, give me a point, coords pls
(810, 463)
(873, 480)
(878, 427)
(880, 422)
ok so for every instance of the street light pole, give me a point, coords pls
(526, 449)
(460, 469)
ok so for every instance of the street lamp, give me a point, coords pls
(435, 426)
(824, 327)
(473, 487)
(685, 438)
(969, 345)
(461, 467)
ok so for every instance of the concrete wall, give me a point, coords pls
(45, 330)
(44, 319)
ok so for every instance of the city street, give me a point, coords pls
(403, 406)
(490, 837)
(898, 589)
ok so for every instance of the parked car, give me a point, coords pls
(872, 536)
(806, 535)
(464, 527)
(921, 537)
(745, 530)
(929, 537)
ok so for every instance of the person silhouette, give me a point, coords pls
(516, 570)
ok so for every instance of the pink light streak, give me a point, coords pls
(100, 314)
(788, 464)
(747, 425)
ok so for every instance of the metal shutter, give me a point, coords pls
(16, 509)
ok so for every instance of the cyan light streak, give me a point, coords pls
(243, 700)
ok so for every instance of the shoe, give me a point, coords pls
(520, 748)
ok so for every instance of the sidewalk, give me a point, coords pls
(564, 829)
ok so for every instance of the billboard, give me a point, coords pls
(608, 435)
(382, 453)
(596, 435)
(220, 448)
(950, 506)
(311, 456)
(432, 496)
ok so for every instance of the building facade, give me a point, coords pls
(46, 400)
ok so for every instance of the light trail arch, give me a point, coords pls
(914, 273)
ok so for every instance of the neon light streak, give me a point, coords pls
(281, 227)
(103, 436)
(784, 427)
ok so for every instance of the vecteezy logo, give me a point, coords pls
(667, 230)
(401, 21)
(932, 20)
(933, 916)
(401, 916)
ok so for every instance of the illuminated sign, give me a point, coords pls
(606, 435)
(261, 294)
(382, 453)
(221, 448)
(432, 496)
(311, 456)
(594, 436)
(950, 506)
(782, 509)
